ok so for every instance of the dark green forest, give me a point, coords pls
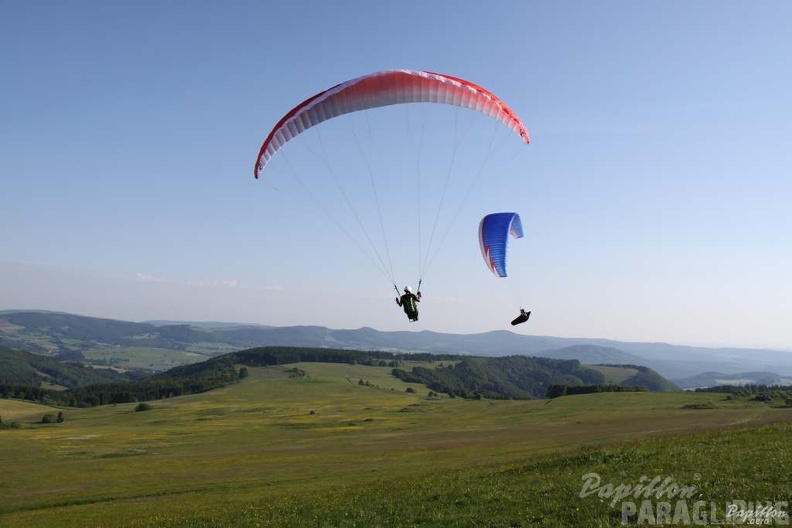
(518, 377)
(522, 377)
(764, 393)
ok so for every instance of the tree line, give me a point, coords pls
(556, 391)
(758, 392)
(201, 377)
(510, 377)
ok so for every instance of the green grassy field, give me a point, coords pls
(614, 375)
(146, 358)
(347, 445)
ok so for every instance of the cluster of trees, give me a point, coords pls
(555, 391)
(10, 425)
(278, 355)
(166, 385)
(764, 393)
(518, 377)
(747, 390)
(52, 418)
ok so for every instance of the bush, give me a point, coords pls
(142, 407)
(12, 425)
(700, 405)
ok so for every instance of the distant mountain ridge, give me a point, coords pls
(52, 333)
(711, 379)
(595, 355)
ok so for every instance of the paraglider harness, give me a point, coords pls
(521, 318)
(408, 301)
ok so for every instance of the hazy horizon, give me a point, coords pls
(297, 324)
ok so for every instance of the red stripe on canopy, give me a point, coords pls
(385, 88)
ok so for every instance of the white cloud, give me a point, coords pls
(228, 283)
(142, 277)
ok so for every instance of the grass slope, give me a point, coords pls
(23, 411)
(284, 449)
(614, 374)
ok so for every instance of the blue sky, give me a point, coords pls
(655, 194)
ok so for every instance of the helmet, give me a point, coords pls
(408, 289)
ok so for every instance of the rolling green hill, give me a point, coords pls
(506, 377)
(640, 377)
(279, 449)
(528, 377)
(464, 376)
(24, 368)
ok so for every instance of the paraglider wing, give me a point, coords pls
(385, 88)
(494, 231)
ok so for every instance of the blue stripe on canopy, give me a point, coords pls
(494, 231)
